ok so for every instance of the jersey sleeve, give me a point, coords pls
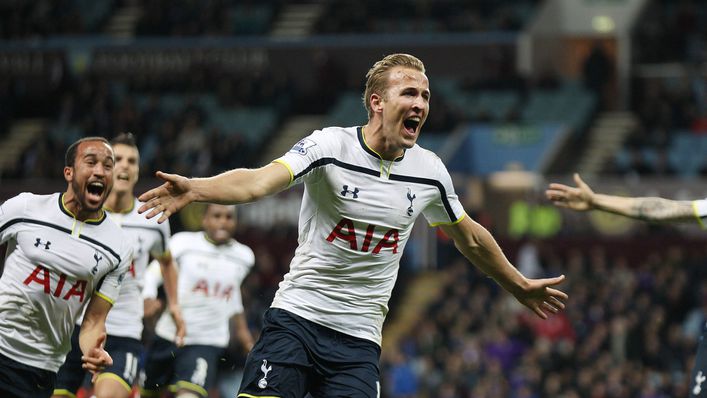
(110, 285)
(160, 248)
(447, 209)
(152, 281)
(11, 211)
(304, 157)
(700, 209)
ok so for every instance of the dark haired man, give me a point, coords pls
(64, 257)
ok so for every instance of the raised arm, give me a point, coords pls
(477, 245)
(582, 198)
(232, 187)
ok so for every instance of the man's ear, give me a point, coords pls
(376, 103)
(68, 173)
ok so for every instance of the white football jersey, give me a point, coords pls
(209, 287)
(700, 208)
(149, 239)
(54, 264)
(356, 216)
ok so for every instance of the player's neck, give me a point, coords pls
(375, 137)
(72, 205)
(120, 202)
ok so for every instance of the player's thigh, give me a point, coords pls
(346, 366)
(279, 364)
(117, 380)
(159, 366)
(71, 375)
(195, 368)
(22, 381)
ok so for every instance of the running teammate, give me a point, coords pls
(363, 189)
(124, 323)
(64, 256)
(583, 198)
(212, 266)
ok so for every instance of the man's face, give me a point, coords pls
(219, 223)
(91, 177)
(127, 167)
(406, 104)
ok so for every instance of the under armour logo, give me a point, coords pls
(262, 383)
(699, 379)
(411, 197)
(98, 260)
(39, 242)
(345, 190)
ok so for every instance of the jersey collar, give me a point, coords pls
(364, 145)
(94, 221)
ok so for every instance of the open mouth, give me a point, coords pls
(122, 177)
(411, 124)
(96, 189)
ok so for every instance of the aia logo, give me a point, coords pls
(345, 191)
(345, 231)
(43, 277)
(216, 290)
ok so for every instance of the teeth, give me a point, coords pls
(96, 184)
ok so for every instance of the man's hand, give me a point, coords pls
(580, 198)
(168, 198)
(539, 296)
(176, 313)
(96, 359)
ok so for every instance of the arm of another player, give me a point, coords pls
(477, 245)
(92, 336)
(240, 330)
(232, 187)
(583, 198)
(169, 277)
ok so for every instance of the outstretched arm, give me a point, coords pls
(582, 198)
(477, 245)
(232, 187)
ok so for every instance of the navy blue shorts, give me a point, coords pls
(21, 381)
(192, 367)
(124, 351)
(294, 356)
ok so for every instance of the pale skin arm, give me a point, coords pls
(241, 332)
(169, 277)
(479, 247)
(92, 336)
(583, 198)
(232, 187)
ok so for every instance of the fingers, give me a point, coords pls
(539, 312)
(578, 180)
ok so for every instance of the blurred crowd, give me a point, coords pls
(630, 330)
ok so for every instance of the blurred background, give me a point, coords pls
(524, 93)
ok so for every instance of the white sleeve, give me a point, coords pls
(161, 246)
(447, 209)
(700, 209)
(153, 280)
(308, 153)
(110, 285)
(11, 212)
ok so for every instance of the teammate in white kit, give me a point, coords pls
(364, 188)
(64, 256)
(212, 266)
(583, 198)
(124, 323)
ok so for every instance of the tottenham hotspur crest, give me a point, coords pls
(262, 383)
(411, 197)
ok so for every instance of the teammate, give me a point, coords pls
(583, 198)
(64, 255)
(124, 323)
(212, 266)
(363, 189)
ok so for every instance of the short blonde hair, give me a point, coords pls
(377, 76)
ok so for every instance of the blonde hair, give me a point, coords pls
(377, 76)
